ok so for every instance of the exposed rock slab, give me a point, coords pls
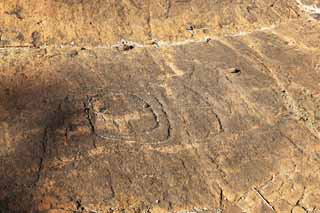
(100, 22)
(229, 124)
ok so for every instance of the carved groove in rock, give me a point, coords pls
(126, 116)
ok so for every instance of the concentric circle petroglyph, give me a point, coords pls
(128, 116)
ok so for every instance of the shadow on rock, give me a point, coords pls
(37, 121)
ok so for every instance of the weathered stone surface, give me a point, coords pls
(100, 22)
(226, 124)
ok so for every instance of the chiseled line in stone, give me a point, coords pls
(290, 102)
(265, 201)
(294, 42)
(158, 44)
(188, 41)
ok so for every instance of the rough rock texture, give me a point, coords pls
(225, 121)
(101, 22)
